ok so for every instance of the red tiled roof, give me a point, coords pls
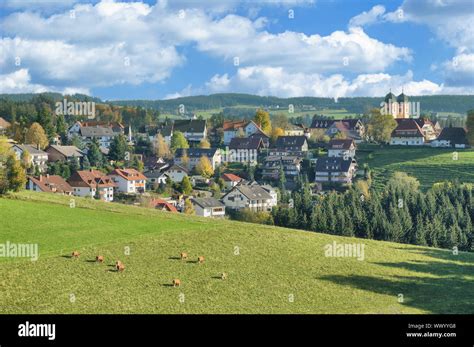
(231, 177)
(51, 184)
(90, 178)
(234, 125)
(163, 205)
(128, 174)
(407, 128)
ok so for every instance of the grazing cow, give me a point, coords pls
(176, 282)
(118, 263)
(184, 256)
(99, 258)
(200, 259)
(224, 276)
(120, 267)
(76, 254)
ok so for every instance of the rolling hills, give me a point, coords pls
(270, 269)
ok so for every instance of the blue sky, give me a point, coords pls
(159, 49)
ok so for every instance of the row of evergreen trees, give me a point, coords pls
(441, 217)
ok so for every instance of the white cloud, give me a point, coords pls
(266, 80)
(459, 71)
(367, 18)
(19, 81)
(92, 48)
(451, 20)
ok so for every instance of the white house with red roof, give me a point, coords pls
(129, 181)
(91, 183)
(231, 180)
(241, 128)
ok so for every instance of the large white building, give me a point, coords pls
(129, 181)
(253, 197)
(92, 183)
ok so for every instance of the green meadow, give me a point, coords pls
(269, 269)
(428, 165)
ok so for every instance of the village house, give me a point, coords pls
(129, 181)
(231, 180)
(176, 173)
(352, 128)
(92, 183)
(261, 135)
(193, 156)
(38, 158)
(4, 125)
(163, 205)
(244, 150)
(49, 184)
(335, 170)
(103, 132)
(429, 129)
(194, 130)
(208, 207)
(294, 130)
(290, 145)
(344, 148)
(63, 153)
(155, 177)
(407, 133)
(242, 128)
(451, 137)
(254, 197)
(271, 167)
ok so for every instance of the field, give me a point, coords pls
(270, 270)
(429, 165)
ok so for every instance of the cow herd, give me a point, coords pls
(120, 267)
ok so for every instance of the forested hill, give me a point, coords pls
(435, 103)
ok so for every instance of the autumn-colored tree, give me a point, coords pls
(16, 174)
(4, 153)
(276, 133)
(204, 143)
(262, 118)
(188, 207)
(185, 159)
(36, 136)
(161, 147)
(204, 167)
(25, 159)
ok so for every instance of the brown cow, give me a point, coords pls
(184, 256)
(120, 267)
(200, 259)
(99, 258)
(118, 263)
(176, 282)
(76, 254)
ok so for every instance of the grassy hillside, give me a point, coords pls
(273, 266)
(429, 165)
